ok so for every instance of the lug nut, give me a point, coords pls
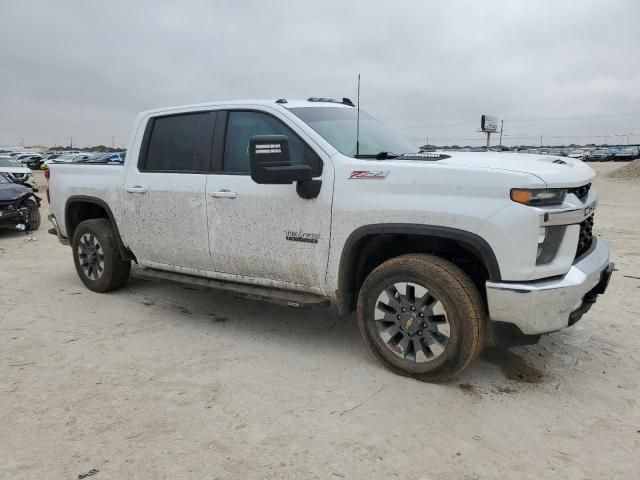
(424, 325)
(413, 309)
(420, 332)
(398, 317)
(421, 315)
(404, 309)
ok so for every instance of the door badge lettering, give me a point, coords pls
(301, 236)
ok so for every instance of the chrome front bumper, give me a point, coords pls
(543, 306)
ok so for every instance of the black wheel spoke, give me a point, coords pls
(90, 256)
(412, 322)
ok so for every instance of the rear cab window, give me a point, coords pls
(178, 143)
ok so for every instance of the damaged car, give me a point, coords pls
(19, 206)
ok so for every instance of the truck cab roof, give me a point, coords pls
(272, 103)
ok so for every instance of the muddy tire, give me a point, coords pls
(34, 214)
(422, 317)
(96, 257)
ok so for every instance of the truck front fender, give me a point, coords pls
(346, 292)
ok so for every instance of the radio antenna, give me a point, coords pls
(358, 121)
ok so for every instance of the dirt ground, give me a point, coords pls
(159, 381)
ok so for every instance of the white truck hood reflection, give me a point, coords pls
(554, 171)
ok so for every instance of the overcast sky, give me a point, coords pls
(86, 68)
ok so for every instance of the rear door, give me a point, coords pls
(267, 232)
(164, 194)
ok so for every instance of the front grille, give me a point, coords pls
(586, 236)
(581, 192)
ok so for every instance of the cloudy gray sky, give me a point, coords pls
(567, 70)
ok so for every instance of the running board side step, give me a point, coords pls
(253, 292)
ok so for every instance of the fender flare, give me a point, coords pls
(471, 241)
(125, 253)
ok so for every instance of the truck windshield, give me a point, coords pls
(337, 125)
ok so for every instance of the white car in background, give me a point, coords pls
(627, 153)
(580, 154)
(14, 169)
(601, 154)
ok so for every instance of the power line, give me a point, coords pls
(534, 119)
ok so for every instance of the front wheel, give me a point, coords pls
(34, 214)
(96, 257)
(422, 317)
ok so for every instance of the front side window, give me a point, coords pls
(337, 125)
(180, 143)
(242, 125)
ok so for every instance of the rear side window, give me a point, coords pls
(242, 125)
(180, 143)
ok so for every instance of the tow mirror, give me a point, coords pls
(271, 163)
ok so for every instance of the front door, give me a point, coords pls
(267, 231)
(164, 196)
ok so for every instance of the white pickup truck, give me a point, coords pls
(439, 253)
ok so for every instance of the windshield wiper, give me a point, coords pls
(379, 156)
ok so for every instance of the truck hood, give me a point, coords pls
(554, 171)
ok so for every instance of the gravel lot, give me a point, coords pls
(163, 381)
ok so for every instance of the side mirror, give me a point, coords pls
(271, 163)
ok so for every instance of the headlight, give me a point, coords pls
(535, 197)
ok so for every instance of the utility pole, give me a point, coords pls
(501, 128)
(22, 141)
(113, 141)
(71, 142)
(540, 140)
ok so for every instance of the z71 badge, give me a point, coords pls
(368, 175)
(590, 209)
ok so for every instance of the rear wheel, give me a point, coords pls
(422, 317)
(96, 257)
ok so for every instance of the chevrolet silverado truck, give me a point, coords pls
(311, 203)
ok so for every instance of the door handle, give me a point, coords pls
(224, 194)
(137, 189)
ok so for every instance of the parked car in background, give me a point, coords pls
(627, 153)
(117, 157)
(14, 169)
(601, 155)
(580, 154)
(65, 158)
(83, 157)
(32, 161)
(22, 152)
(18, 205)
(556, 152)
